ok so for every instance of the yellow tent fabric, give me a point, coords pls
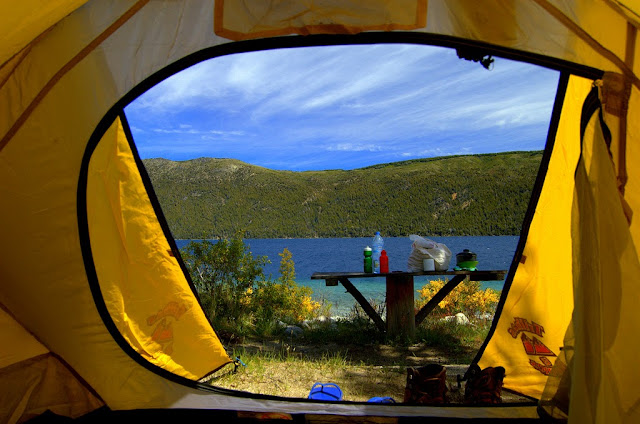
(529, 334)
(53, 108)
(18, 344)
(27, 20)
(66, 67)
(268, 19)
(604, 366)
(144, 288)
(34, 380)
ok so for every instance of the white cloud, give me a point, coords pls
(286, 79)
(186, 130)
(432, 152)
(137, 129)
(366, 100)
(353, 147)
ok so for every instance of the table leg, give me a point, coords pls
(366, 306)
(400, 306)
(438, 297)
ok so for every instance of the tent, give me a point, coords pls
(97, 311)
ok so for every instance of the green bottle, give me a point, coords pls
(368, 263)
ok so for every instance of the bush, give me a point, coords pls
(222, 272)
(235, 293)
(467, 298)
(283, 299)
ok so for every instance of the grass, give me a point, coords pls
(353, 354)
(289, 373)
(459, 342)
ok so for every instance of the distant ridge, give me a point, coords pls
(483, 194)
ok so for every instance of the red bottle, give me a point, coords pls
(384, 262)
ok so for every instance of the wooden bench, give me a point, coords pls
(401, 320)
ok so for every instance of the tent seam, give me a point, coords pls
(583, 35)
(20, 57)
(620, 8)
(12, 315)
(67, 67)
(630, 47)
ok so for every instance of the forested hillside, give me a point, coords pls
(455, 195)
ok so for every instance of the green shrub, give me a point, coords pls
(222, 272)
(283, 299)
(238, 297)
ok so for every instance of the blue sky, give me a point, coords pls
(343, 107)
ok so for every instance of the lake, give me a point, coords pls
(346, 254)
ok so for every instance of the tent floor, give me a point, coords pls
(105, 415)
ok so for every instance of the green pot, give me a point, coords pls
(467, 265)
(466, 260)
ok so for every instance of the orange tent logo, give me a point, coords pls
(163, 332)
(532, 345)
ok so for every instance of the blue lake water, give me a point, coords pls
(345, 254)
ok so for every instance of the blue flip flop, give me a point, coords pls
(325, 391)
(382, 399)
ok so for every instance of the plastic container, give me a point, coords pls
(428, 264)
(384, 263)
(368, 263)
(377, 245)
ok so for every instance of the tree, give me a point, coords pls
(234, 291)
(287, 268)
(223, 272)
(284, 299)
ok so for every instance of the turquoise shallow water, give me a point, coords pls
(345, 254)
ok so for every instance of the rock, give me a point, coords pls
(332, 322)
(293, 331)
(486, 316)
(325, 321)
(462, 319)
(459, 318)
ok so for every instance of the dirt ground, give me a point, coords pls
(362, 372)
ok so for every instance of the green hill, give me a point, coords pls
(456, 195)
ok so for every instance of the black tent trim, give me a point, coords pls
(533, 202)
(156, 204)
(117, 110)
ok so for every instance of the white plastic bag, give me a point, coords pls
(423, 248)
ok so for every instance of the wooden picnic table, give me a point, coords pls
(401, 320)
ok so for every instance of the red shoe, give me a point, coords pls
(426, 385)
(484, 386)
